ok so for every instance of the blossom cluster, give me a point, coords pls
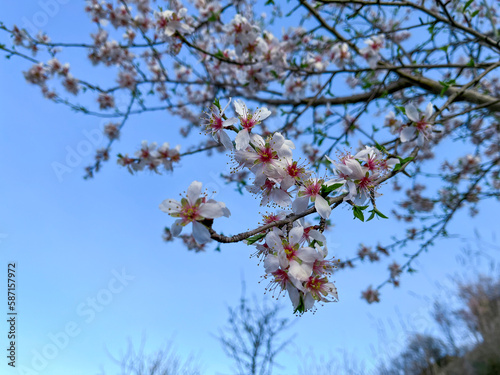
(149, 156)
(294, 257)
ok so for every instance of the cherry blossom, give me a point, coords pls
(194, 209)
(311, 190)
(215, 122)
(248, 121)
(420, 125)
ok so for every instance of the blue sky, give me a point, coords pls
(75, 241)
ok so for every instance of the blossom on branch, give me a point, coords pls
(194, 209)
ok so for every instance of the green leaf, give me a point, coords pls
(380, 147)
(380, 214)
(253, 239)
(300, 307)
(270, 2)
(328, 189)
(358, 212)
(220, 55)
(467, 5)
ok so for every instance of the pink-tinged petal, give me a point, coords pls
(358, 172)
(412, 113)
(271, 263)
(317, 235)
(407, 133)
(257, 140)
(193, 192)
(229, 122)
(295, 235)
(240, 108)
(300, 271)
(308, 255)
(170, 206)
(344, 169)
(363, 153)
(299, 205)
(211, 210)
(322, 207)
(225, 140)
(242, 139)
(352, 190)
(283, 260)
(176, 228)
(261, 114)
(274, 242)
(281, 198)
(429, 110)
(200, 233)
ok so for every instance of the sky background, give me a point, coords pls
(70, 237)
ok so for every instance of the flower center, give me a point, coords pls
(190, 213)
(248, 123)
(313, 189)
(266, 155)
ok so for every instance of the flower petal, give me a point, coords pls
(429, 110)
(225, 140)
(242, 139)
(407, 133)
(295, 235)
(299, 205)
(261, 114)
(271, 263)
(229, 122)
(300, 271)
(240, 108)
(257, 140)
(294, 295)
(200, 233)
(176, 228)
(193, 192)
(308, 255)
(322, 206)
(170, 206)
(412, 113)
(211, 210)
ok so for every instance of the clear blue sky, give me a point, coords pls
(70, 238)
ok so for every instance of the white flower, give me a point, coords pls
(248, 121)
(312, 190)
(421, 124)
(194, 209)
(215, 124)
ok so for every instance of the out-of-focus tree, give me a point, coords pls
(253, 337)
(479, 313)
(134, 361)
